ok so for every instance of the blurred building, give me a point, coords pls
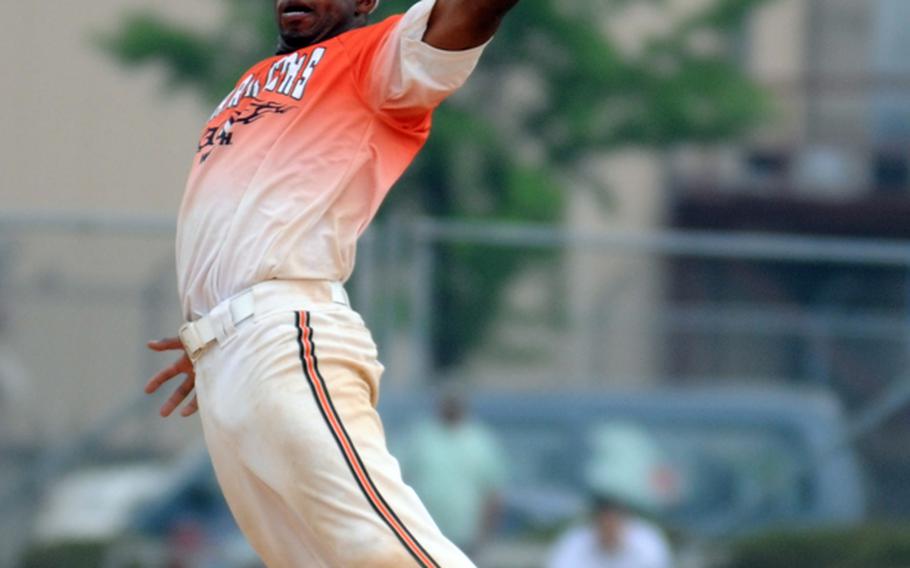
(841, 113)
(834, 161)
(87, 134)
(831, 159)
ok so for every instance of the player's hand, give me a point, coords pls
(183, 366)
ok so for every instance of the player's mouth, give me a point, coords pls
(296, 11)
(302, 11)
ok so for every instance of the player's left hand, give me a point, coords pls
(183, 366)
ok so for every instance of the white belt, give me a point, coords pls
(265, 297)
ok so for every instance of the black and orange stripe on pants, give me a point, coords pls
(361, 475)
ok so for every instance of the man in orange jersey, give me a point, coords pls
(290, 170)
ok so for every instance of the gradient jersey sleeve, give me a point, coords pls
(400, 75)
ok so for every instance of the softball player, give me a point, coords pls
(290, 170)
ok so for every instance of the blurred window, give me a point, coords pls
(735, 474)
(720, 473)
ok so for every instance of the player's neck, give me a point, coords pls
(290, 45)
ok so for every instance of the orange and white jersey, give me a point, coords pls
(295, 162)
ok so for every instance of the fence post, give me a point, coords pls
(819, 350)
(422, 272)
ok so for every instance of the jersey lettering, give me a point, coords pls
(288, 77)
(292, 69)
(300, 88)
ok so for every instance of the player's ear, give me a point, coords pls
(365, 7)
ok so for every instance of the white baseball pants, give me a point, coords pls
(287, 400)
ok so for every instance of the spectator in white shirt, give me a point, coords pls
(623, 476)
(614, 538)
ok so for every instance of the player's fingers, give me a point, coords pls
(162, 377)
(166, 344)
(180, 366)
(191, 408)
(178, 397)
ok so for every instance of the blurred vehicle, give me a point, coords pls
(143, 514)
(735, 462)
(95, 504)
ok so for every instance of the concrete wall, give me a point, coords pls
(82, 132)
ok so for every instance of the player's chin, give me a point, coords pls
(299, 34)
(294, 41)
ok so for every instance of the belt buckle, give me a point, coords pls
(339, 294)
(191, 341)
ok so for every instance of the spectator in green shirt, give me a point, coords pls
(455, 465)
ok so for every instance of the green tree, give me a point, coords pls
(493, 158)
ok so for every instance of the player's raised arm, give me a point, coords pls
(457, 25)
